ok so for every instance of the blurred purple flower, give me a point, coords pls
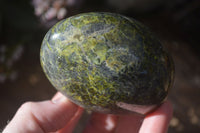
(52, 9)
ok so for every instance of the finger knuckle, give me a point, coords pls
(26, 107)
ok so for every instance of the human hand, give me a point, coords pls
(61, 116)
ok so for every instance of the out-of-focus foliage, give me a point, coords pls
(16, 20)
(136, 5)
(8, 57)
(17, 28)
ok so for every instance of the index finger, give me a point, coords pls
(42, 117)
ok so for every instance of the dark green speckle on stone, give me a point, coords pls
(99, 60)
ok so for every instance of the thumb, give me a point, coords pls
(42, 117)
(158, 121)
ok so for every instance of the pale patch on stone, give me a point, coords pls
(141, 109)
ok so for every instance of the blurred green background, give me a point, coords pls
(23, 24)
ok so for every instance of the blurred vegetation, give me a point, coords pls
(18, 25)
(17, 21)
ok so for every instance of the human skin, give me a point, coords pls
(60, 115)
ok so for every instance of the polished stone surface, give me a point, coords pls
(103, 61)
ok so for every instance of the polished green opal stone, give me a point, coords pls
(105, 62)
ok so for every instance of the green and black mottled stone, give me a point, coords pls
(100, 59)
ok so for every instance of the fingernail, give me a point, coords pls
(59, 100)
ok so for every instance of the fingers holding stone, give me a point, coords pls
(101, 123)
